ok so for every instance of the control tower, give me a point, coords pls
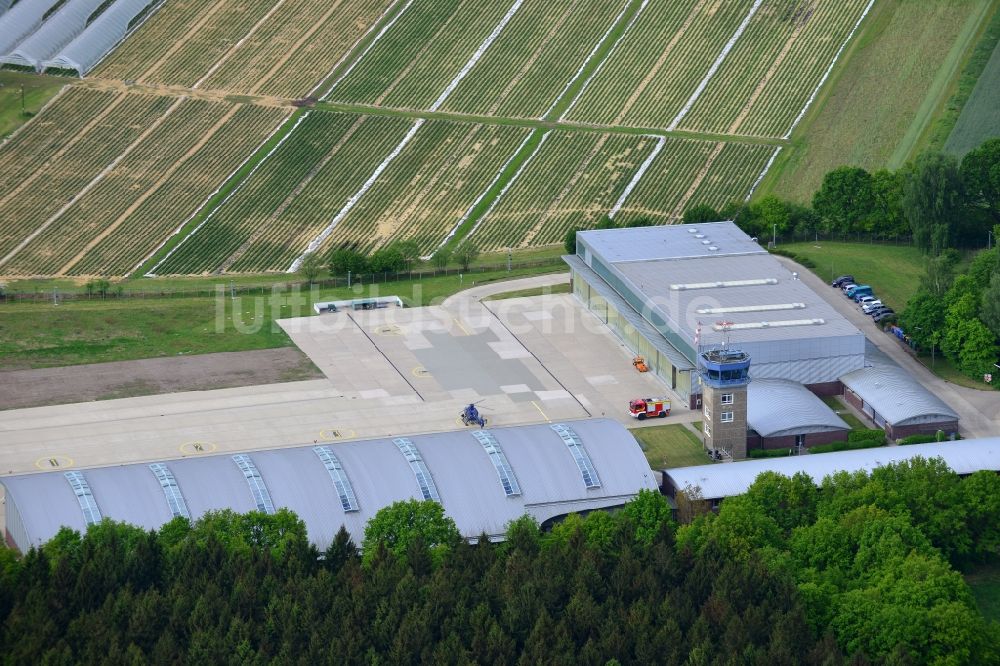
(725, 374)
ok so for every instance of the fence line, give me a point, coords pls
(119, 292)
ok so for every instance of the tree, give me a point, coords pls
(465, 254)
(441, 258)
(772, 215)
(649, 513)
(845, 200)
(933, 201)
(887, 217)
(981, 174)
(398, 525)
(923, 318)
(387, 260)
(347, 260)
(311, 267)
(701, 213)
(569, 241)
(606, 222)
(410, 252)
(940, 272)
(979, 351)
(640, 221)
(990, 308)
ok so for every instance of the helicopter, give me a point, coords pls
(471, 416)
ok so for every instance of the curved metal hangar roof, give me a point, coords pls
(483, 478)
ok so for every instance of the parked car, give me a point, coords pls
(842, 280)
(861, 292)
(865, 299)
(881, 311)
(870, 306)
(885, 314)
(847, 287)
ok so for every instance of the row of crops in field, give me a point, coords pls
(773, 69)
(247, 46)
(27, 205)
(574, 179)
(426, 48)
(98, 200)
(309, 179)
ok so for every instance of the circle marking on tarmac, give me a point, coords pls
(388, 329)
(53, 462)
(197, 448)
(421, 371)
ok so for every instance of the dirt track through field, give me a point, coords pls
(179, 44)
(660, 62)
(155, 376)
(152, 190)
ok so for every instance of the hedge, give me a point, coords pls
(877, 436)
(769, 453)
(846, 446)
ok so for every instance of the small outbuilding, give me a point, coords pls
(782, 414)
(897, 402)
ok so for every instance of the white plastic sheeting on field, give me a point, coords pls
(87, 49)
(23, 19)
(57, 31)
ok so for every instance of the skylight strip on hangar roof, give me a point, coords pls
(175, 500)
(420, 471)
(721, 284)
(575, 445)
(768, 324)
(753, 308)
(339, 477)
(78, 482)
(499, 460)
(256, 483)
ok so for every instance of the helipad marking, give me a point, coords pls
(53, 462)
(197, 448)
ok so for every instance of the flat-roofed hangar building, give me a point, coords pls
(664, 291)
(483, 478)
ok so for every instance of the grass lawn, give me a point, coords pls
(37, 335)
(38, 90)
(536, 291)
(985, 583)
(671, 446)
(896, 76)
(945, 369)
(894, 271)
(833, 403)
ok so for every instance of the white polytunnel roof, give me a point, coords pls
(22, 19)
(483, 482)
(90, 46)
(780, 407)
(57, 31)
(730, 479)
(896, 396)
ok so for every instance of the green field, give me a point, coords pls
(671, 446)
(38, 335)
(979, 120)
(37, 91)
(833, 403)
(897, 75)
(894, 271)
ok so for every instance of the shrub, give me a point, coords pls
(918, 439)
(847, 446)
(877, 436)
(769, 453)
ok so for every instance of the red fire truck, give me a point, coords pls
(647, 408)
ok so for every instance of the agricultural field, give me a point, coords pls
(743, 68)
(511, 121)
(101, 193)
(575, 178)
(281, 48)
(304, 188)
(979, 120)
